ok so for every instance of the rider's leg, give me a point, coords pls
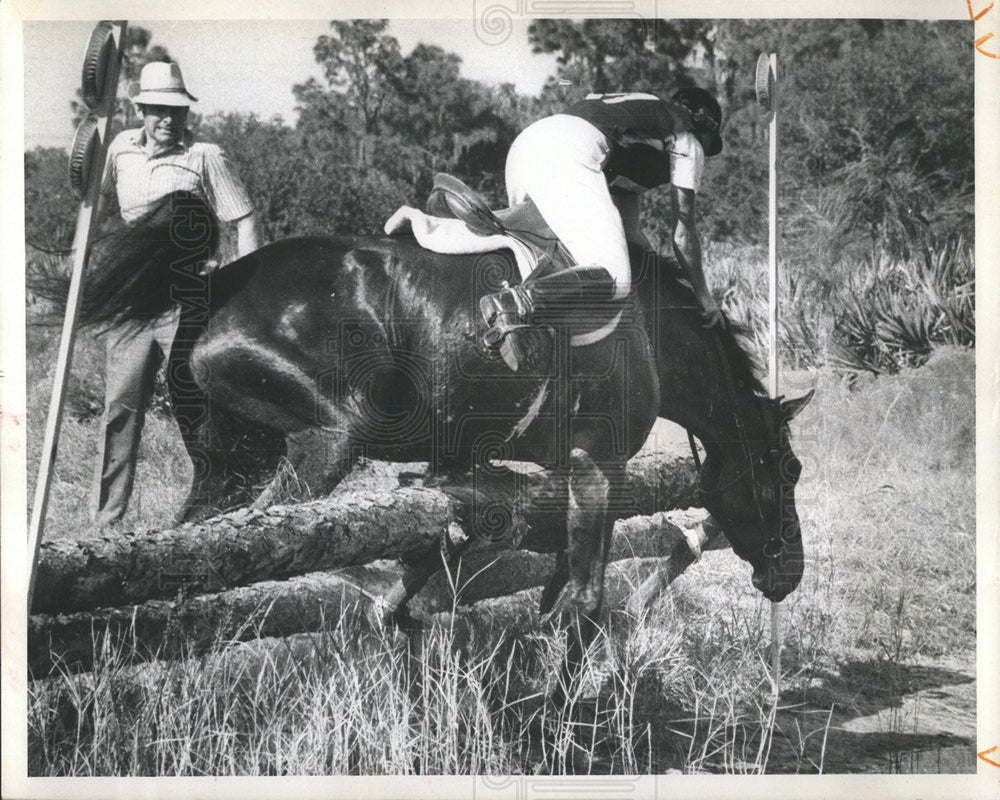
(556, 298)
(557, 162)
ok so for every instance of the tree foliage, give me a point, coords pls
(619, 55)
(49, 203)
(876, 146)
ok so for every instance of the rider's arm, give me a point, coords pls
(687, 160)
(628, 204)
(687, 248)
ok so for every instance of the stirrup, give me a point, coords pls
(504, 311)
(497, 334)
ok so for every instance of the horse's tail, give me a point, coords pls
(142, 270)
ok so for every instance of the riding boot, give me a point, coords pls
(559, 298)
(556, 298)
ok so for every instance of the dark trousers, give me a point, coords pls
(134, 353)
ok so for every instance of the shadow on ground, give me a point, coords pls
(876, 716)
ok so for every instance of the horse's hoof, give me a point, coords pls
(263, 501)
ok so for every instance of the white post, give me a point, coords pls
(766, 85)
(772, 235)
(85, 222)
(772, 302)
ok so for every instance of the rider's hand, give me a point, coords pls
(710, 312)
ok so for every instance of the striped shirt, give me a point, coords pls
(141, 179)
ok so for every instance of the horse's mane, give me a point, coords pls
(136, 271)
(741, 362)
(743, 366)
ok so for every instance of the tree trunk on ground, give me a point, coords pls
(652, 549)
(345, 529)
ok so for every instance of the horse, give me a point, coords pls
(321, 349)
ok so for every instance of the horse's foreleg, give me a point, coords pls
(588, 537)
(586, 543)
(556, 583)
(475, 501)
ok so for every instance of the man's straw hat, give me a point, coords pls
(161, 84)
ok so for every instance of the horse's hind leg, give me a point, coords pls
(231, 459)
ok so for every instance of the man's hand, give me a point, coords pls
(247, 236)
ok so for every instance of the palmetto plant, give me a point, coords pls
(742, 290)
(895, 316)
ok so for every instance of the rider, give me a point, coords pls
(584, 169)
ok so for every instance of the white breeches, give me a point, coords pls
(557, 162)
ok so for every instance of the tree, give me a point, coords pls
(384, 123)
(620, 54)
(439, 120)
(878, 140)
(361, 63)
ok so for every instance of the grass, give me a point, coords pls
(885, 612)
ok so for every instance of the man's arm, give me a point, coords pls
(687, 248)
(247, 235)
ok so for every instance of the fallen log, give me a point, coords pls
(164, 629)
(348, 528)
(484, 621)
(487, 574)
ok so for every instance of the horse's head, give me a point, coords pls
(748, 484)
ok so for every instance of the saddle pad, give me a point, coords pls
(452, 237)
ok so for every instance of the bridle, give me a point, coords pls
(773, 546)
(750, 463)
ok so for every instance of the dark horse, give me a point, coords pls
(323, 349)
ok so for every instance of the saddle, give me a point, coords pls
(458, 219)
(451, 198)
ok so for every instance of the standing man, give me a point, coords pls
(143, 166)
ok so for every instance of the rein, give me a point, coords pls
(694, 451)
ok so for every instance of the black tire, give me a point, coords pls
(82, 155)
(100, 51)
(764, 81)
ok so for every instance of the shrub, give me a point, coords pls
(898, 311)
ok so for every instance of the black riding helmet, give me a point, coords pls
(706, 114)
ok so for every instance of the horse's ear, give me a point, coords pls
(790, 408)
